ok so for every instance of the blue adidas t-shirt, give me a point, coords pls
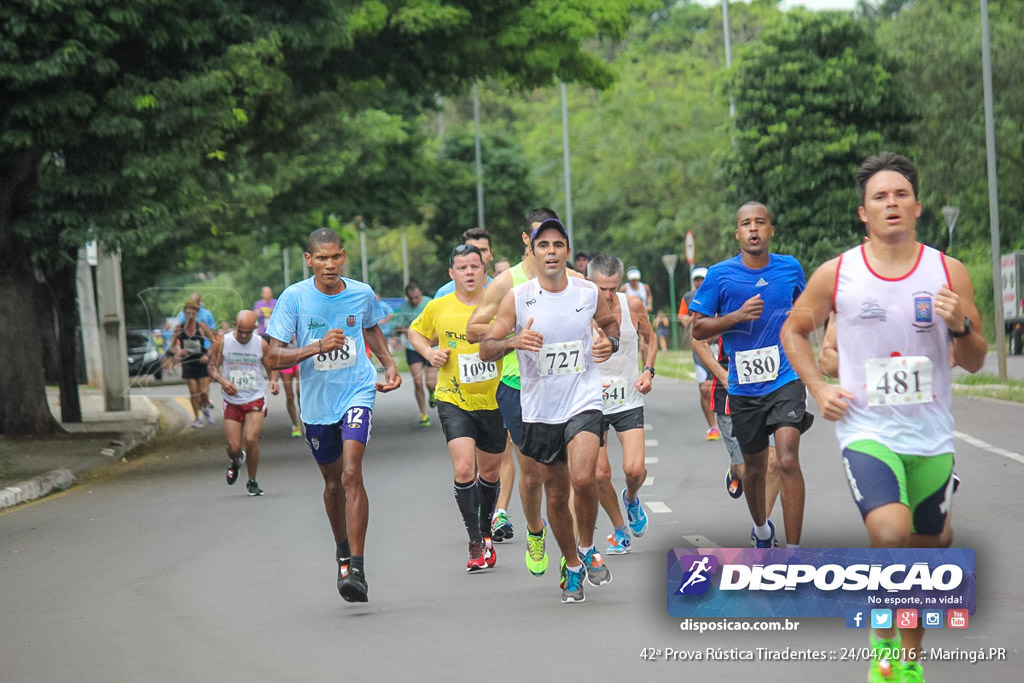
(329, 384)
(757, 362)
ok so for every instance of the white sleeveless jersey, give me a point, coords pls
(561, 380)
(894, 355)
(639, 291)
(243, 366)
(620, 372)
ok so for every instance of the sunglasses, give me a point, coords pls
(462, 250)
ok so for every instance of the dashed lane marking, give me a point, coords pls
(650, 443)
(657, 507)
(650, 461)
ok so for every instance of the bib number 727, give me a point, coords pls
(563, 358)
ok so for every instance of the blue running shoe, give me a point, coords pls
(636, 515)
(758, 543)
(619, 543)
(598, 573)
(572, 590)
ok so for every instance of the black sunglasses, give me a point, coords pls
(462, 250)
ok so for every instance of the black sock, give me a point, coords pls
(467, 498)
(356, 562)
(488, 498)
(343, 550)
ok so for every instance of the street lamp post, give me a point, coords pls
(670, 261)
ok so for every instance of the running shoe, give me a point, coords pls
(598, 573)
(758, 543)
(883, 668)
(619, 543)
(501, 528)
(424, 420)
(253, 488)
(490, 557)
(352, 585)
(433, 401)
(208, 412)
(572, 587)
(197, 423)
(561, 572)
(536, 552)
(733, 485)
(637, 516)
(912, 672)
(296, 432)
(476, 559)
(232, 472)
(712, 434)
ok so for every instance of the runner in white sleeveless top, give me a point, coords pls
(623, 388)
(561, 391)
(903, 311)
(237, 363)
(634, 287)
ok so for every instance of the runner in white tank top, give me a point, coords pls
(903, 311)
(561, 391)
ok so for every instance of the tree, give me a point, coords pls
(815, 95)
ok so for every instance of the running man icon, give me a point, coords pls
(698, 575)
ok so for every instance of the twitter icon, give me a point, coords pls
(881, 618)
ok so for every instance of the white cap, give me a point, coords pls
(699, 272)
(633, 274)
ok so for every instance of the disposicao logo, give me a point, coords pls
(697, 578)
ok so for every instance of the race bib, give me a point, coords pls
(757, 365)
(338, 359)
(563, 358)
(898, 381)
(192, 346)
(243, 379)
(613, 392)
(472, 369)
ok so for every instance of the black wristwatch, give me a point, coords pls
(968, 328)
(649, 369)
(615, 344)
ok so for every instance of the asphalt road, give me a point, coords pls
(164, 573)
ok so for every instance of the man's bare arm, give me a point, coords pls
(480, 321)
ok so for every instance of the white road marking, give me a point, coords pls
(978, 443)
(650, 443)
(657, 506)
(650, 461)
(649, 481)
(700, 541)
(648, 427)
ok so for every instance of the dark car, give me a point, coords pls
(143, 356)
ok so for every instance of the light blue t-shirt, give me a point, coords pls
(727, 286)
(449, 287)
(326, 390)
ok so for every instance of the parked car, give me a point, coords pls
(143, 356)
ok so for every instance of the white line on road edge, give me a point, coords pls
(657, 506)
(649, 481)
(648, 426)
(978, 443)
(650, 461)
(699, 541)
(650, 442)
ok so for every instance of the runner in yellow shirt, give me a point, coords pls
(465, 398)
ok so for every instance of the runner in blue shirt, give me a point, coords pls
(746, 299)
(332, 319)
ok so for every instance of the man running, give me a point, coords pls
(745, 300)
(902, 310)
(237, 362)
(701, 371)
(330, 316)
(624, 386)
(481, 239)
(550, 317)
(465, 400)
(423, 374)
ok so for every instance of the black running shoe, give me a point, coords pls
(253, 488)
(352, 584)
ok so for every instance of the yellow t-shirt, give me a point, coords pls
(464, 380)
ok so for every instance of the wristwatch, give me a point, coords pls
(968, 328)
(649, 369)
(615, 344)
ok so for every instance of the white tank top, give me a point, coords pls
(620, 372)
(894, 355)
(243, 366)
(561, 380)
(639, 291)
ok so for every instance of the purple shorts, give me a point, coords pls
(326, 441)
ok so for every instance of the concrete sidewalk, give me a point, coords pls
(38, 466)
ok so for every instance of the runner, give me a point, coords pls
(745, 300)
(902, 310)
(465, 400)
(422, 372)
(561, 397)
(634, 287)
(237, 362)
(624, 386)
(330, 315)
(700, 370)
(190, 343)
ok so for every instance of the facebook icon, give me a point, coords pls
(856, 619)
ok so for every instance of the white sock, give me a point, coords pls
(763, 532)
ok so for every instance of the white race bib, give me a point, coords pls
(897, 381)
(757, 365)
(192, 346)
(563, 358)
(613, 392)
(338, 359)
(472, 369)
(243, 379)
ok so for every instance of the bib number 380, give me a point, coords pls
(757, 365)
(899, 381)
(564, 358)
(336, 359)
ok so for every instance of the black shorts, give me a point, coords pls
(546, 443)
(511, 412)
(412, 356)
(624, 421)
(483, 426)
(194, 369)
(754, 418)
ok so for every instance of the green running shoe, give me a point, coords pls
(885, 666)
(536, 552)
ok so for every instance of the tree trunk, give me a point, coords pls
(66, 307)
